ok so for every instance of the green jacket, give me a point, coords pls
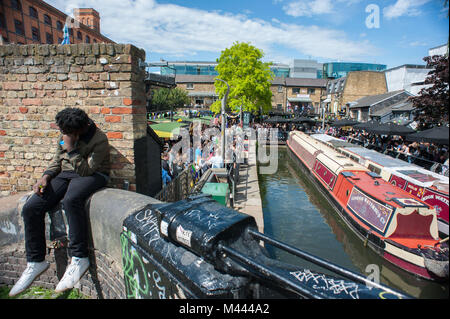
(91, 155)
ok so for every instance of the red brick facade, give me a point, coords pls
(36, 22)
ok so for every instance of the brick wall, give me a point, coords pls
(363, 83)
(104, 279)
(36, 81)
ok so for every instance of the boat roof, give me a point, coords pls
(410, 172)
(376, 187)
(374, 156)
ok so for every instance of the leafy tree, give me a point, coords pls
(248, 77)
(165, 99)
(432, 102)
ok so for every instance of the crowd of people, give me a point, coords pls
(202, 150)
(205, 152)
(429, 155)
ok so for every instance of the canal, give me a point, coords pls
(295, 213)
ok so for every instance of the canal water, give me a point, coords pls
(295, 213)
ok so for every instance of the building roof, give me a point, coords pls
(402, 106)
(306, 82)
(370, 100)
(408, 66)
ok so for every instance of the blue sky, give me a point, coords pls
(324, 30)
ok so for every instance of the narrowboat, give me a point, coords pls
(400, 227)
(428, 186)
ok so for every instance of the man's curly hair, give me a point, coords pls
(71, 120)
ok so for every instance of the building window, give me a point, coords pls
(59, 25)
(295, 90)
(47, 20)
(95, 41)
(280, 88)
(60, 40)
(33, 12)
(71, 32)
(35, 34)
(15, 4)
(79, 36)
(88, 39)
(19, 27)
(311, 91)
(189, 86)
(49, 38)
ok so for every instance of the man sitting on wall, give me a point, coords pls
(79, 167)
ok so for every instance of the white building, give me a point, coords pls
(439, 50)
(409, 77)
(309, 69)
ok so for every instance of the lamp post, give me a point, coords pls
(224, 102)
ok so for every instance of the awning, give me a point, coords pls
(203, 94)
(167, 129)
(299, 99)
(328, 100)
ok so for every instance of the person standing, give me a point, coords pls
(79, 167)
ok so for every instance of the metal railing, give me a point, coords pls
(178, 188)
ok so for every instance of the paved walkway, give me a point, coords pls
(248, 198)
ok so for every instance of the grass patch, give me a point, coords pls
(42, 293)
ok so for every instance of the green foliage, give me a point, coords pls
(165, 99)
(42, 293)
(248, 77)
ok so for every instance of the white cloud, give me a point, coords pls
(173, 30)
(404, 8)
(309, 8)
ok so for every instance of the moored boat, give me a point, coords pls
(428, 186)
(398, 226)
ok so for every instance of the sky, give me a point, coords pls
(391, 32)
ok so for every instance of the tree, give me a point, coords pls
(432, 102)
(167, 99)
(248, 77)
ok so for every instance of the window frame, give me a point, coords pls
(38, 34)
(16, 22)
(47, 38)
(33, 13)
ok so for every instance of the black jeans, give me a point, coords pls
(72, 191)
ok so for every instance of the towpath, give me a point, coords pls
(248, 198)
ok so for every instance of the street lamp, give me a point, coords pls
(224, 102)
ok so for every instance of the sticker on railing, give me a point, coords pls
(164, 228)
(184, 236)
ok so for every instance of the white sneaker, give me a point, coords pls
(33, 270)
(73, 274)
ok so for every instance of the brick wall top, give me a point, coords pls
(95, 49)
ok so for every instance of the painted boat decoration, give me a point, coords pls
(428, 186)
(400, 227)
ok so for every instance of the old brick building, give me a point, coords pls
(34, 22)
(340, 93)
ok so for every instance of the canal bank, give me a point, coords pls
(248, 198)
(296, 213)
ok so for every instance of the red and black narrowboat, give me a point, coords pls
(400, 227)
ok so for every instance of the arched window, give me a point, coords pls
(47, 20)
(33, 12)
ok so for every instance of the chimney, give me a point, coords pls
(89, 17)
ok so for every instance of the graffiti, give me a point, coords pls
(135, 275)
(327, 284)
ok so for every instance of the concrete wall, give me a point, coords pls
(37, 81)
